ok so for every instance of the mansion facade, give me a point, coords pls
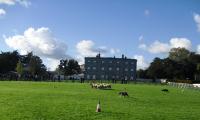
(109, 68)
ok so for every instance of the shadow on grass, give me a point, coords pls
(106, 89)
(102, 89)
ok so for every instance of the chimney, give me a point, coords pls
(122, 56)
(98, 55)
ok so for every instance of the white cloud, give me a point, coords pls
(146, 12)
(114, 51)
(142, 46)
(198, 49)
(40, 41)
(156, 47)
(87, 48)
(180, 42)
(141, 63)
(52, 64)
(24, 3)
(8, 2)
(197, 20)
(2, 12)
(159, 47)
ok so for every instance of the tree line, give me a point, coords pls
(181, 64)
(14, 66)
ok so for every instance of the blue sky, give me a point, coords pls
(77, 28)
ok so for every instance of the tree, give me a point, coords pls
(194, 58)
(8, 61)
(178, 54)
(181, 64)
(32, 65)
(19, 68)
(164, 68)
(198, 68)
(169, 67)
(142, 73)
(36, 67)
(62, 67)
(26, 58)
(73, 67)
(69, 67)
(156, 69)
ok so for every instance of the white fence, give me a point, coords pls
(184, 85)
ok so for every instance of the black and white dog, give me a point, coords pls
(123, 94)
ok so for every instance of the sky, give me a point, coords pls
(67, 29)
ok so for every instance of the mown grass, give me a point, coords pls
(75, 101)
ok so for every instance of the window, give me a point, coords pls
(126, 78)
(131, 78)
(94, 61)
(110, 68)
(126, 63)
(88, 61)
(117, 69)
(131, 69)
(88, 76)
(94, 77)
(126, 69)
(132, 62)
(102, 68)
(102, 76)
(118, 62)
(110, 61)
(88, 68)
(94, 68)
(102, 61)
(117, 76)
(106, 76)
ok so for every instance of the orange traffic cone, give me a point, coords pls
(98, 107)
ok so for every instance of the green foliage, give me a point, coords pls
(178, 54)
(19, 68)
(36, 66)
(142, 73)
(29, 64)
(74, 101)
(156, 68)
(198, 67)
(8, 61)
(180, 64)
(69, 67)
(32, 65)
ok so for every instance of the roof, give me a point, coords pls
(109, 58)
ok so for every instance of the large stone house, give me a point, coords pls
(109, 68)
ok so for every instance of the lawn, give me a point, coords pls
(75, 101)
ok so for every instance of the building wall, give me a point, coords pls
(110, 68)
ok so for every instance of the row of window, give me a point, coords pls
(110, 68)
(106, 77)
(94, 61)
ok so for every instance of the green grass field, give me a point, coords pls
(74, 101)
